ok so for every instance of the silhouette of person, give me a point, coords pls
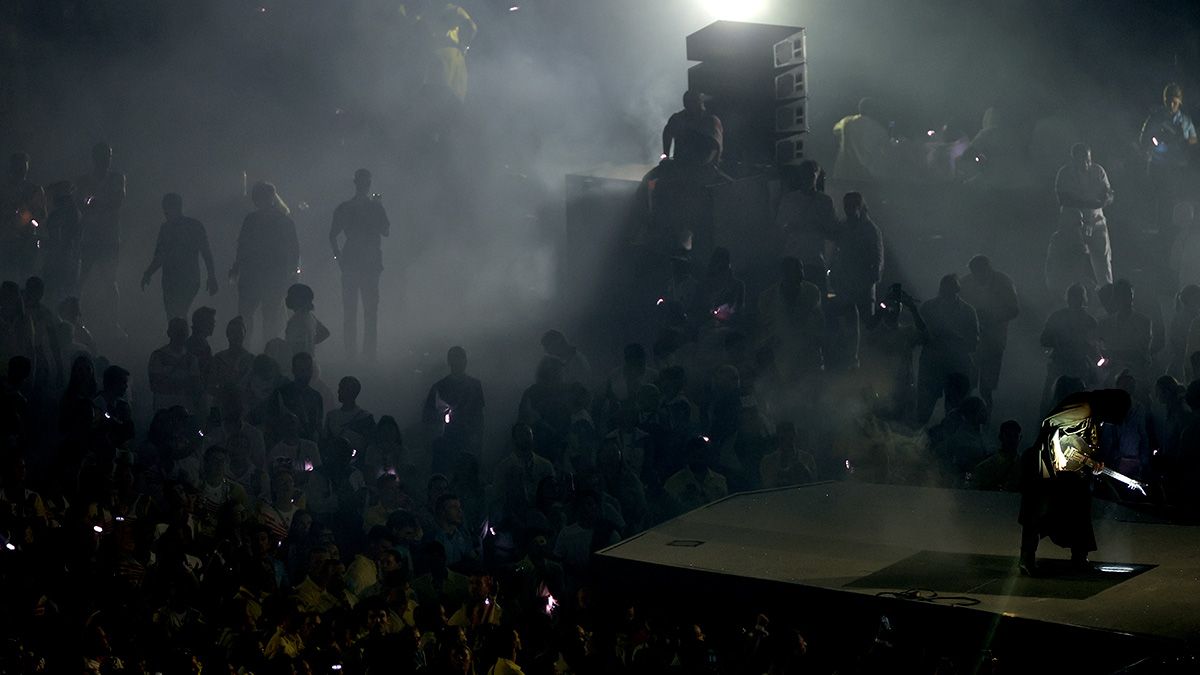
(47, 349)
(862, 142)
(953, 335)
(174, 372)
(697, 135)
(456, 403)
(363, 221)
(180, 241)
(23, 209)
(299, 398)
(1082, 187)
(994, 298)
(231, 366)
(858, 261)
(1070, 334)
(446, 30)
(61, 243)
(101, 195)
(268, 258)
(806, 217)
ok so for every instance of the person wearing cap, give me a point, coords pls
(697, 135)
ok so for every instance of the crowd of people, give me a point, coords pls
(265, 522)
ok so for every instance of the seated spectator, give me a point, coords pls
(696, 484)
(481, 608)
(508, 647)
(788, 464)
(587, 534)
(524, 462)
(175, 376)
(299, 398)
(459, 545)
(217, 491)
(385, 449)
(454, 405)
(293, 452)
(389, 498)
(363, 571)
(349, 421)
(324, 589)
(231, 366)
(277, 512)
(1001, 471)
(619, 481)
(576, 367)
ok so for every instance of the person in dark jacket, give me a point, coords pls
(858, 261)
(268, 259)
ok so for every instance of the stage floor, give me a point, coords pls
(869, 539)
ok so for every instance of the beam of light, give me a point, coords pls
(1116, 569)
(735, 10)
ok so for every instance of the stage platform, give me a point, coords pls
(855, 539)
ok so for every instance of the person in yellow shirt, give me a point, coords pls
(448, 31)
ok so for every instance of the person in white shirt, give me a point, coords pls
(862, 143)
(1083, 186)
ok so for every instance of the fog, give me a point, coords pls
(201, 98)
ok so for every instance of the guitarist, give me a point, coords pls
(1056, 496)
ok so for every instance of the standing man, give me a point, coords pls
(1082, 187)
(994, 298)
(267, 262)
(1071, 335)
(455, 405)
(953, 335)
(862, 142)
(102, 194)
(807, 219)
(364, 222)
(1166, 138)
(697, 135)
(858, 261)
(180, 241)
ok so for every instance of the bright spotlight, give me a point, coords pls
(735, 10)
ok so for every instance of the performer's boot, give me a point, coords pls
(1079, 560)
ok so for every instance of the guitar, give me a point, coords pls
(1076, 456)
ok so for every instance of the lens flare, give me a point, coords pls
(735, 10)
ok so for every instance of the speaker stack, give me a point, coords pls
(756, 76)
